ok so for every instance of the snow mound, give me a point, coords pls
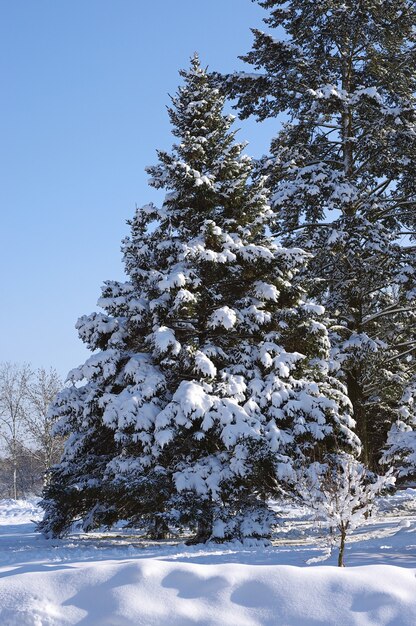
(158, 593)
(118, 579)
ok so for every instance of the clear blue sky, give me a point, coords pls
(84, 90)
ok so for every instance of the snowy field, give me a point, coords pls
(117, 579)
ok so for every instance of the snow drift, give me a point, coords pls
(119, 579)
(155, 593)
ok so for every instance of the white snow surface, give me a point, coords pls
(118, 579)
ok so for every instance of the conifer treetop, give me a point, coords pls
(344, 48)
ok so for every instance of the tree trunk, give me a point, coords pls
(356, 396)
(204, 529)
(160, 530)
(14, 482)
(342, 546)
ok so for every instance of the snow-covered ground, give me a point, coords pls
(117, 579)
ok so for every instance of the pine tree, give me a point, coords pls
(211, 378)
(341, 174)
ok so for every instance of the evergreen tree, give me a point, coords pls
(341, 174)
(400, 449)
(211, 378)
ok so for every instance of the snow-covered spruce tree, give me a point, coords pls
(341, 173)
(210, 381)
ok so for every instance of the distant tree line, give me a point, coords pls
(28, 446)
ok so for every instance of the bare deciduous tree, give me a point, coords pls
(14, 380)
(28, 446)
(40, 391)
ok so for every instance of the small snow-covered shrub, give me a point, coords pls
(341, 492)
